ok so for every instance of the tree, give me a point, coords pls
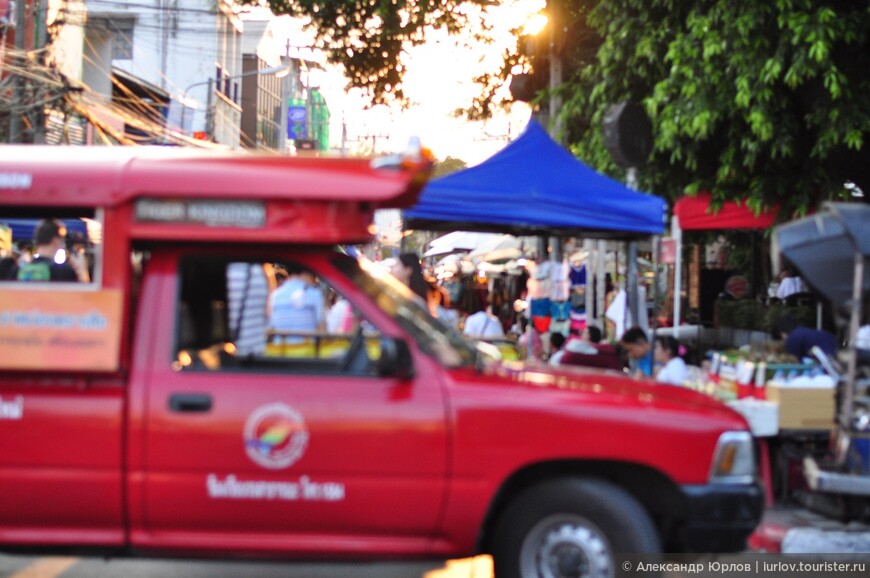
(447, 166)
(367, 37)
(767, 101)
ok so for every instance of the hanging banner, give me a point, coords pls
(668, 251)
(65, 330)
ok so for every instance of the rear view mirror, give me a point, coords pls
(395, 360)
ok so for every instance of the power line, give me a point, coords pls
(160, 9)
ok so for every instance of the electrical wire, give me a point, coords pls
(176, 8)
(47, 91)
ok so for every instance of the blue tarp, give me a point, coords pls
(22, 229)
(534, 186)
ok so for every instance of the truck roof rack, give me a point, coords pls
(206, 195)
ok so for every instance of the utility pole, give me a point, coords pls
(555, 108)
(41, 37)
(209, 112)
(343, 134)
(18, 81)
(631, 273)
(555, 71)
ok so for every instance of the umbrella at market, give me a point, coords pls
(457, 241)
(824, 248)
(499, 248)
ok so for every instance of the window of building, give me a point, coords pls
(122, 39)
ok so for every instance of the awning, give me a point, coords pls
(695, 214)
(534, 186)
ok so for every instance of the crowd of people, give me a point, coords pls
(290, 303)
(52, 257)
(293, 303)
(556, 344)
(635, 350)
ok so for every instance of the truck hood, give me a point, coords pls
(602, 387)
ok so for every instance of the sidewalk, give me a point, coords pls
(795, 530)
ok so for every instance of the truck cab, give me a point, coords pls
(162, 408)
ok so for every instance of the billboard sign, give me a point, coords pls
(60, 330)
(297, 125)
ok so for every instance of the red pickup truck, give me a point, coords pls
(160, 408)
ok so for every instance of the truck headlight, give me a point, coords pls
(733, 459)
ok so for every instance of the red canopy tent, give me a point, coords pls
(696, 214)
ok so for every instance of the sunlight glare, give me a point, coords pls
(535, 24)
(477, 567)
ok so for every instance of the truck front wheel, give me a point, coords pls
(570, 527)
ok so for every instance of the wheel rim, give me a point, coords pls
(566, 546)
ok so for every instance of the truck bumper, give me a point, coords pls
(720, 517)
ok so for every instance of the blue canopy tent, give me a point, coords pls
(533, 186)
(23, 229)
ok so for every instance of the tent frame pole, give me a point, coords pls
(677, 234)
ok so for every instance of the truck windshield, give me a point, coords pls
(431, 335)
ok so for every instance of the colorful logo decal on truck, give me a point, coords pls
(275, 436)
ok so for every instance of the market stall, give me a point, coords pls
(831, 250)
(534, 187)
(795, 404)
(696, 213)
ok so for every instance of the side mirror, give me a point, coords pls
(396, 360)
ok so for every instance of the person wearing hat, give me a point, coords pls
(50, 238)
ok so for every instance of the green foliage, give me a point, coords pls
(367, 37)
(766, 101)
(447, 166)
(741, 314)
(756, 316)
(804, 315)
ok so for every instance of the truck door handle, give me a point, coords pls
(190, 402)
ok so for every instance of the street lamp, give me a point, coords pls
(278, 71)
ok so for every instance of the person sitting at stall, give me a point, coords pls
(557, 340)
(669, 366)
(587, 350)
(636, 351)
(789, 284)
(800, 340)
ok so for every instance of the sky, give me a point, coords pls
(438, 80)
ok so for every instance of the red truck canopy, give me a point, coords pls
(238, 196)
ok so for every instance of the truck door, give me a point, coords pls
(286, 439)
